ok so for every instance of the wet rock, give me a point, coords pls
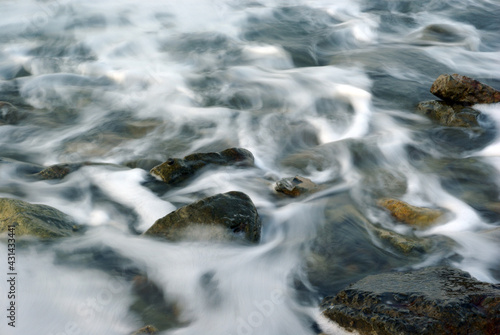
(59, 171)
(436, 300)
(383, 182)
(344, 249)
(296, 186)
(419, 217)
(450, 115)
(462, 89)
(36, 220)
(8, 113)
(146, 330)
(221, 216)
(412, 245)
(177, 170)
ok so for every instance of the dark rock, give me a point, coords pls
(462, 89)
(36, 220)
(450, 115)
(296, 186)
(436, 300)
(8, 113)
(146, 330)
(220, 216)
(176, 170)
(419, 217)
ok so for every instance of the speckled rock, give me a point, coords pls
(177, 170)
(450, 115)
(222, 216)
(296, 186)
(457, 88)
(419, 217)
(36, 220)
(436, 300)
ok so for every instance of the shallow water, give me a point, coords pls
(322, 89)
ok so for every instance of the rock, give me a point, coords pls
(59, 171)
(462, 89)
(435, 300)
(146, 330)
(36, 220)
(8, 113)
(343, 249)
(296, 186)
(412, 245)
(450, 115)
(383, 182)
(420, 217)
(220, 216)
(176, 170)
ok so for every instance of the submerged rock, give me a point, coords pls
(59, 171)
(177, 170)
(221, 216)
(146, 330)
(8, 113)
(450, 115)
(420, 217)
(36, 220)
(296, 186)
(436, 300)
(462, 89)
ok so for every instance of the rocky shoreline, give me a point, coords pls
(431, 300)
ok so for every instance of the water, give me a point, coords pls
(322, 89)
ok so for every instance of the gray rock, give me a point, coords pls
(436, 300)
(36, 220)
(8, 113)
(296, 186)
(221, 216)
(176, 170)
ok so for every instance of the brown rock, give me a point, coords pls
(218, 217)
(296, 186)
(450, 115)
(146, 330)
(420, 217)
(462, 89)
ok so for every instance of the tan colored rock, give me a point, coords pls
(146, 330)
(457, 88)
(296, 186)
(420, 217)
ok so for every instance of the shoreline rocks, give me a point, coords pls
(434, 300)
(176, 170)
(219, 217)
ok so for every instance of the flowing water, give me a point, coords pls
(322, 89)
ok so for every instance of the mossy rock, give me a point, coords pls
(219, 217)
(36, 220)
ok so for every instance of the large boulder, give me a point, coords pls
(36, 220)
(450, 115)
(177, 170)
(462, 89)
(436, 300)
(221, 216)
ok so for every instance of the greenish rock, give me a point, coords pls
(450, 115)
(8, 113)
(435, 300)
(146, 330)
(36, 220)
(177, 170)
(219, 217)
(296, 186)
(414, 216)
(462, 89)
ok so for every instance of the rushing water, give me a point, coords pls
(324, 89)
